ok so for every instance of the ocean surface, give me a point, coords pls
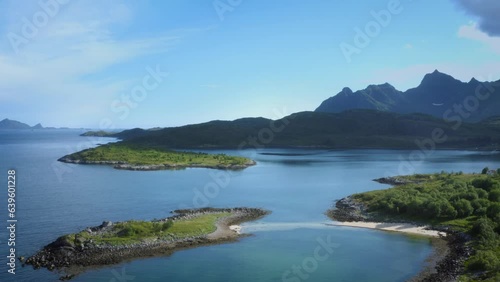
(298, 186)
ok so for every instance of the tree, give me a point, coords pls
(493, 211)
(487, 184)
(480, 203)
(494, 195)
(485, 170)
(483, 226)
(463, 207)
(481, 193)
(483, 260)
(447, 210)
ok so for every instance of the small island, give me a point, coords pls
(462, 209)
(111, 243)
(122, 155)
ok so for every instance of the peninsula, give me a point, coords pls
(464, 206)
(111, 243)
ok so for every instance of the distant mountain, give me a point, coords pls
(38, 126)
(14, 124)
(438, 95)
(349, 129)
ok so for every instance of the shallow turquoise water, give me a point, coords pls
(54, 199)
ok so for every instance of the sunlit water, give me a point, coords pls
(298, 186)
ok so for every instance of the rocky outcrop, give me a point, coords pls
(450, 268)
(394, 180)
(76, 251)
(346, 209)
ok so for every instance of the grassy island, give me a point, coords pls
(131, 232)
(111, 243)
(467, 204)
(137, 157)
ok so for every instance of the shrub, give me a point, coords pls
(483, 227)
(448, 211)
(481, 193)
(486, 183)
(480, 206)
(493, 211)
(485, 170)
(494, 195)
(166, 225)
(483, 261)
(463, 207)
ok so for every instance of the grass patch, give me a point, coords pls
(142, 155)
(201, 225)
(130, 232)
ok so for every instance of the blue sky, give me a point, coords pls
(123, 64)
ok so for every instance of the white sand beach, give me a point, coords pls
(397, 227)
(235, 228)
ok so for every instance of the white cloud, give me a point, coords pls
(472, 32)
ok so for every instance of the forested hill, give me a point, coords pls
(350, 129)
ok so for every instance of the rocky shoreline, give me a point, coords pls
(443, 267)
(127, 166)
(393, 180)
(72, 259)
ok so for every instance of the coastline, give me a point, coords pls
(450, 249)
(127, 166)
(394, 227)
(72, 260)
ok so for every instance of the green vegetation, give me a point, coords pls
(130, 232)
(198, 226)
(142, 155)
(466, 202)
(350, 129)
(100, 133)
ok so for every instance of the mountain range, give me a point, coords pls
(380, 116)
(438, 94)
(465, 115)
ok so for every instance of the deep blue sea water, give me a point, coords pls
(298, 186)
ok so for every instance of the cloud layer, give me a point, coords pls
(487, 11)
